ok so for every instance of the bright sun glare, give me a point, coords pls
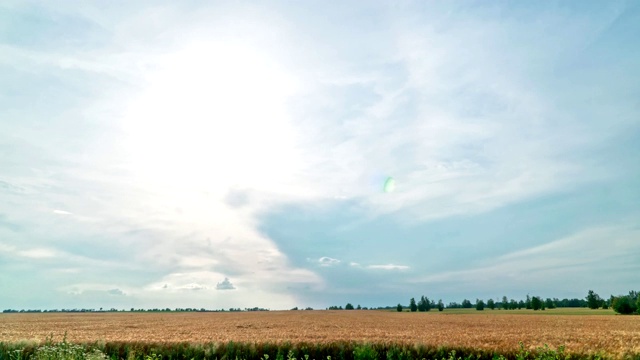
(213, 116)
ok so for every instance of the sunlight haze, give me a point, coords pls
(279, 154)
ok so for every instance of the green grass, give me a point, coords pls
(270, 351)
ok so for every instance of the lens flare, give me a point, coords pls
(389, 185)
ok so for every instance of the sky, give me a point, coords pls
(277, 154)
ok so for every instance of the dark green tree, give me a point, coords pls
(505, 303)
(412, 305)
(527, 302)
(479, 304)
(491, 304)
(513, 304)
(623, 305)
(399, 308)
(359, 307)
(440, 305)
(536, 303)
(348, 307)
(549, 303)
(521, 305)
(593, 300)
(466, 304)
(424, 304)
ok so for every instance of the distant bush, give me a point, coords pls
(624, 305)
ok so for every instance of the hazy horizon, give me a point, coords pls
(279, 154)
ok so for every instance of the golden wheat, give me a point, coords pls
(494, 330)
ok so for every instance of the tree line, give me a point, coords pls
(622, 304)
(132, 310)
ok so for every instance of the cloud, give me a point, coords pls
(116, 292)
(463, 117)
(327, 261)
(194, 286)
(40, 253)
(598, 251)
(388, 267)
(92, 290)
(225, 285)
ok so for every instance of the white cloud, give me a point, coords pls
(388, 267)
(225, 285)
(61, 212)
(94, 289)
(194, 286)
(40, 253)
(327, 261)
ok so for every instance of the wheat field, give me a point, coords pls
(492, 330)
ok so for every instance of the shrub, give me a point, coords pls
(623, 305)
(365, 352)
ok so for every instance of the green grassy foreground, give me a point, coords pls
(271, 351)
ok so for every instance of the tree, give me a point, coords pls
(527, 303)
(593, 300)
(348, 306)
(513, 304)
(521, 304)
(412, 305)
(359, 307)
(536, 303)
(505, 303)
(623, 305)
(466, 304)
(479, 305)
(491, 304)
(440, 305)
(549, 303)
(423, 304)
(399, 308)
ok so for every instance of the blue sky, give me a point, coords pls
(151, 150)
